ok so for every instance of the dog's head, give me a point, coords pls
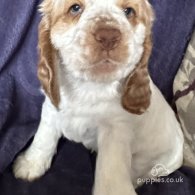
(99, 41)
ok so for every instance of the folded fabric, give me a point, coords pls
(184, 90)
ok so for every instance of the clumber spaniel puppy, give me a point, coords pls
(93, 69)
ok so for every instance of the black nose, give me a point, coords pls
(108, 38)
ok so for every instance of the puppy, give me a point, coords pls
(93, 70)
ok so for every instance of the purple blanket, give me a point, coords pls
(21, 100)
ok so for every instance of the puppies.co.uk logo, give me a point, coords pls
(158, 175)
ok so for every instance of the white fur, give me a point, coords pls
(90, 112)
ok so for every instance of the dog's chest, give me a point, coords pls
(84, 112)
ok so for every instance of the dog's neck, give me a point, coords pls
(89, 91)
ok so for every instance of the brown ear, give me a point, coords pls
(47, 70)
(136, 92)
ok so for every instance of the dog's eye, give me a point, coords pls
(75, 9)
(129, 11)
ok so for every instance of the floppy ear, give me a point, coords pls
(47, 70)
(136, 91)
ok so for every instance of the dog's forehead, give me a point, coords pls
(102, 2)
(110, 2)
(97, 2)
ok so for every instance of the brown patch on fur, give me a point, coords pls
(64, 15)
(143, 11)
(52, 18)
(47, 72)
(136, 94)
(133, 19)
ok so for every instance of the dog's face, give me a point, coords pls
(96, 40)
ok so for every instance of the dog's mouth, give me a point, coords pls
(104, 66)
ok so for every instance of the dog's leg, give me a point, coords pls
(37, 158)
(113, 166)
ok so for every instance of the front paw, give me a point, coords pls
(30, 168)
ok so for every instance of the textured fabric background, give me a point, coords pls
(184, 91)
(21, 100)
